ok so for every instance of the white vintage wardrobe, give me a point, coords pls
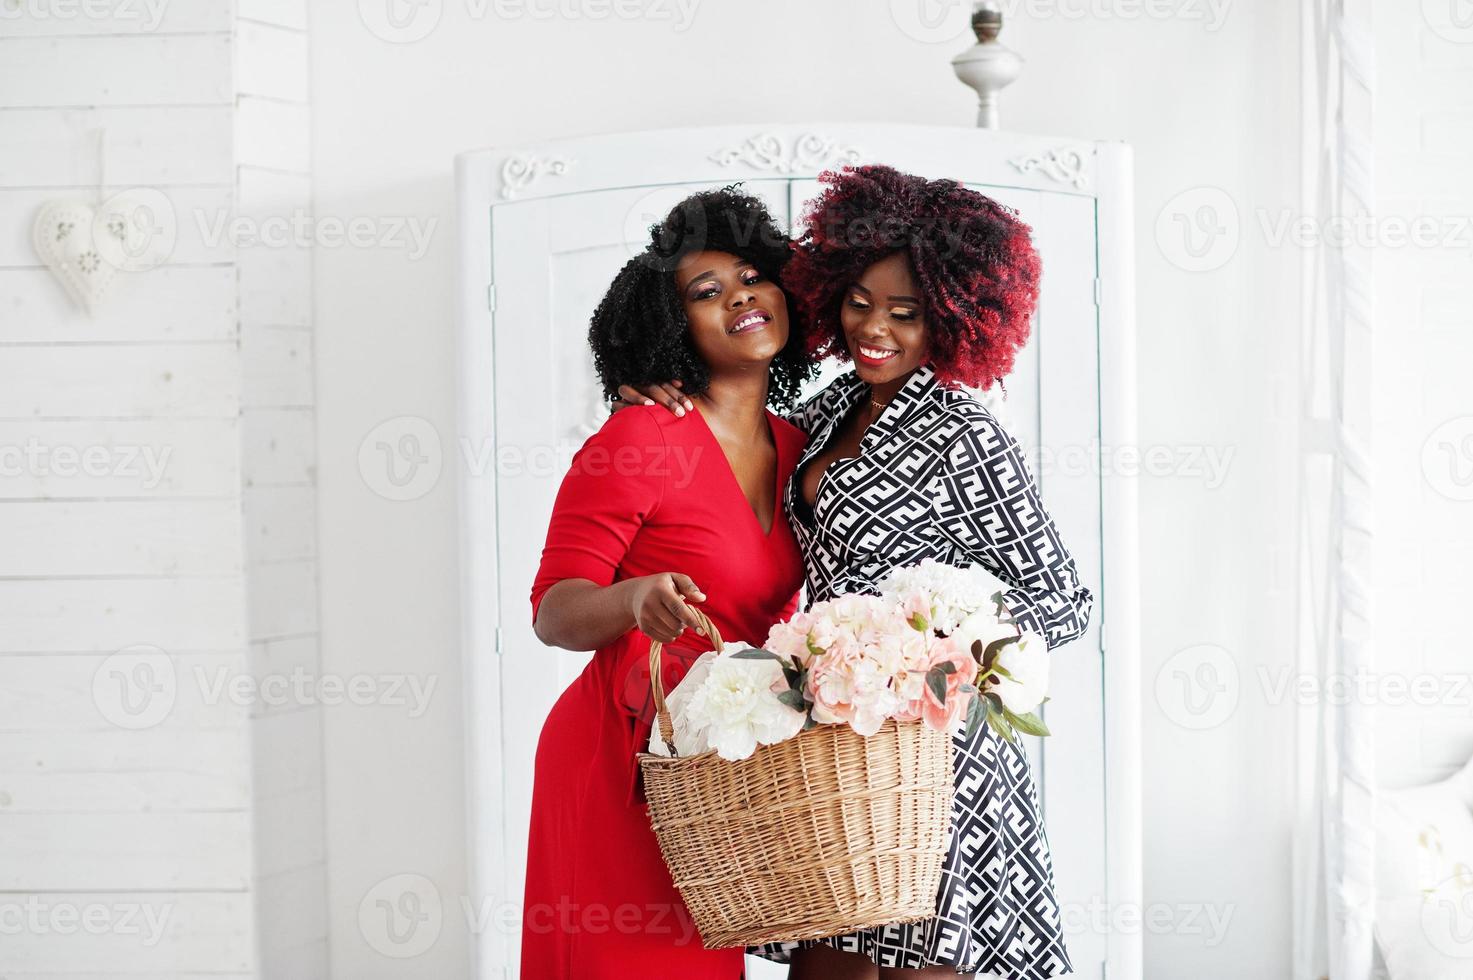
(544, 228)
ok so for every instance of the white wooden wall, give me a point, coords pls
(190, 832)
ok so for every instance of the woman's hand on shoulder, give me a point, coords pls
(667, 394)
(659, 605)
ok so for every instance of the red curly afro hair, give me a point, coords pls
(973, 259)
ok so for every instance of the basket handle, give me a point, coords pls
(657, 685)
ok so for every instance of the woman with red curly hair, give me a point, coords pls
(927, 286)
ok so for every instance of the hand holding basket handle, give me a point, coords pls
(657, 684)
(660, 605)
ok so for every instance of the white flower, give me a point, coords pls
(952, 592)
(735, 706)
(982, 625)
(1027, 665)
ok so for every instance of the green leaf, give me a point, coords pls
(975, 713)
(996, 721)
(936, 681)
(813, 650)
(794, 700)
(1001, 671)
(994, 648)
(946, 667)
(1027, 722)
(756, 653)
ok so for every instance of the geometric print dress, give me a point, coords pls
(938, 477)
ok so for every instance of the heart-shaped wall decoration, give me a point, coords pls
(65, 237)
(86, 247)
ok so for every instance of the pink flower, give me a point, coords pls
(942, 715)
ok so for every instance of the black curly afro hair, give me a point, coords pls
(639, 332)
(972, 258)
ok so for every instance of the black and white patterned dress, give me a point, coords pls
(938, 477)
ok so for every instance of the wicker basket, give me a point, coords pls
(818, 835)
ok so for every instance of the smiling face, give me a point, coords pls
(738, 318)
(884, 321)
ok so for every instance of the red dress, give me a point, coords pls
(648, 493)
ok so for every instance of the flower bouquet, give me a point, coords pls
(803, 789)
(935, 646)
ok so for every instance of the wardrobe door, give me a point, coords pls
(552, 260)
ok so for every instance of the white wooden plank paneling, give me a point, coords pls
(204, 937)
(271, 61)
(293, 921)
(182, 381)
(169, 145)
(87, 692)
(126, 851)
(276, 286)
(273, 135)
(287, 756)
(288, 657)
(277, 366)
(117, 770)
(289, 832)
(106, 458)
(170, 303)
(278, 447)
(142, 70)
(283, 598)
(148, 538)
(119, 17)
(198, 217)
(281, 523)
(286, 13)
(109, 614)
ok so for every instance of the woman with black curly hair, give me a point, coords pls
(925, 286)
(658, 512)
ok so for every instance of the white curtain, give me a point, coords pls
(1335, 888)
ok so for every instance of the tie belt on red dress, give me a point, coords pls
(636, 700)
